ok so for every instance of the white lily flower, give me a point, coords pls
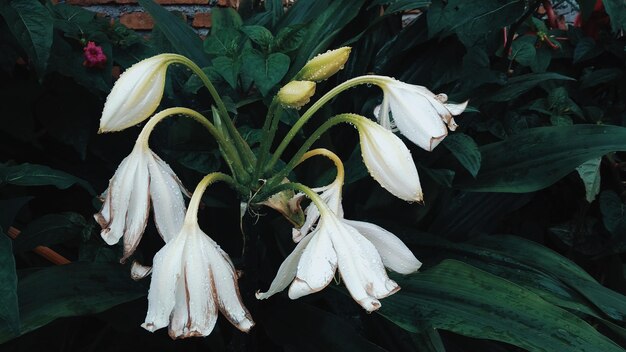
(136, 94)
(140, 178)
(388, 160)
(360, 251)
(420, 115)
(192, 278)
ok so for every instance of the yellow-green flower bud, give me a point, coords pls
(296, 94)
(324, 65)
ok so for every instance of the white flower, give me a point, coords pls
(388, 160)
(140, 178)
(136, 94)
(192, 278)
(360, 251)
(418, 114)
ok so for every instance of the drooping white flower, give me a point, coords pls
(419, 114)
(141, 178)
(359, 250)
(192, 278)
(136, 94)
(388, 160)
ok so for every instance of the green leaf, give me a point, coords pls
(39, 175)
(538, 157)
(9, 313)
(521, 84)
(228, 68)
(182, 38)
(589, 172)
(583, 49)
(600, 76)
(266, 71)
(31, 23)
(523, 50)
(223, 43)
(465, 150)
(52, 229)
(260, 35)
(404, 5)
(224, 19)
(612, 210)
(616, 9)
(71, 290)
(543, 56)
(289, 38)
(460, 298)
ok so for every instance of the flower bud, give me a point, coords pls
(296, 94)
(324, 65)
(136, 94)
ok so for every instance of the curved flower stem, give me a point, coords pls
(269, 131)
(192, 211)
(242, 147)
(315, 198)
(330, 155)
(296, 159)
(369, 79)
(230, 154)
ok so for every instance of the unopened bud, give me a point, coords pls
(324, 65)
(296, 94)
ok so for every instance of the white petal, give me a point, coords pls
(389, 161)
(200, 305)
(416, 117)
(119, 192)
(394, 253)
(361, 267)
(166, 278)
(167, 199)
(136, 94)
(228, 296)
(316, 267)
(138, 271)
(287, 270)
(138, 207)
(457, 109)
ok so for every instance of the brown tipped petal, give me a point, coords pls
(138, 210)
(167, 199)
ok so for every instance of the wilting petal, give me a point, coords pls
(139, 271)
(166, 281)
(166, 192)
(138, 209)
(389, 161)
(394, 253)
(331, 195)
(419, 114)
(136, 94)
(228, 296)
(361, 268)
(287, 270)
(317, 265)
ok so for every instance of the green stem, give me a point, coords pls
(267, 140)
(371, 79)
(295, 160)
(229, 153)
(191, 217)
(315, 198)
(240, 144)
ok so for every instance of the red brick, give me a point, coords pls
(162, 2)
(202, 20)
(137, 20)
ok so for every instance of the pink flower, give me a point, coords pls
(94, 57)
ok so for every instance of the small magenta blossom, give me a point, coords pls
(94, 56)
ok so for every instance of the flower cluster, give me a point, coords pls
(192, 277)
(94, 56)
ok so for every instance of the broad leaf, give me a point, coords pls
(31, 23)
(465, 150)
(71, 290)
(178, 33)
(613, 211)
(537, 158)
(52, 229)
(519, 85)
(460, 298)
(260, 35)
(39, 175)
(9, 313)
(266, 71)
(228, 68)
(589, 172)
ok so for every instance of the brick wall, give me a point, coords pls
(132, 15)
